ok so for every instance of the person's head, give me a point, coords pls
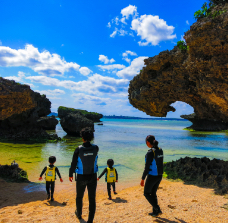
(110, 163)
(149, 140)
(52, 159)
(87, 134)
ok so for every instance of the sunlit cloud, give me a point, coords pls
(43, 63)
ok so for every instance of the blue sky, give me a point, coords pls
(82, 54)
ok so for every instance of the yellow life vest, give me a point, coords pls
(111, 175)
(50, 173)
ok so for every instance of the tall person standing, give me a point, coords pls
(84, 163)
(153, 170)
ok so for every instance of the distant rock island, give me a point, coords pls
(196, 75)
(74, 120)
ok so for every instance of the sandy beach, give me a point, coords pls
(179, 202)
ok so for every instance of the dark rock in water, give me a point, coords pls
(72, 124)
(196, 75)
(100, 124)
(13, 173)
(20, 108)
(64, 111)
(48, 123)
(204, 124)
(200, 171)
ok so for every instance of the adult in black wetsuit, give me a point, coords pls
(84, 163)
(153, 170)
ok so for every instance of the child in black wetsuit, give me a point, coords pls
(50, 176)
(111, 177)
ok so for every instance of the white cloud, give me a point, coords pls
(111, 67)
(44, 63)
(0, 42)
(95, 84)
(120, 32)
(105, 59)
(187, 22)
(113, 34)
(134, 68)
(152, 30)
(127, 59)
(125, 55)
(52, 92)
(129, 10)
(128, 52)
(85, 71)
(109, 25)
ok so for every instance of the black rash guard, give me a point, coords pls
(153, 153)
(105, 171)
(51, 166)
(75, 158)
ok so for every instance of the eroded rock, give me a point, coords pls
(72, 124)
(197, 76)
(200, 171)
(48, 123)
(20, 108)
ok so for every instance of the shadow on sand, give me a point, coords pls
(20, 193)
(165, 220)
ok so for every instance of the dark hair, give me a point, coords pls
(87, 134)
(150, 139)
(110, 163)
(155, 144)
(52, 159)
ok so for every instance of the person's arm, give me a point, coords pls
(102, 174)
(149, 159)
(73, 163)
(116, 175)
(44, 170)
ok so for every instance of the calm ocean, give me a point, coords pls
(123, 140)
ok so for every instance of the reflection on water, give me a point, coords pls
(124, 142)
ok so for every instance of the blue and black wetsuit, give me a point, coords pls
(84, 163)
(153, 170)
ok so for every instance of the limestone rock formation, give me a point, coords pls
(48, 123)
(13, 173)
(64, 111)
(200, 171)
(204, 124)
(20, 108)
(72, 124)
(197, 76)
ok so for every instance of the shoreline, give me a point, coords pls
(179, 203)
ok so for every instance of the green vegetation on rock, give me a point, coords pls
(207, 9)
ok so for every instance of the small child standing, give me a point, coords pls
(50, 177)
(111, 177)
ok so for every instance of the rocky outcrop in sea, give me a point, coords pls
(200, 171)
(93, 116)
(48, 123)
(20, 108)
(72, 123)
(196, 75)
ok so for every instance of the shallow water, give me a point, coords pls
(123, 140)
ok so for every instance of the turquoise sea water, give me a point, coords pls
(123, 140)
